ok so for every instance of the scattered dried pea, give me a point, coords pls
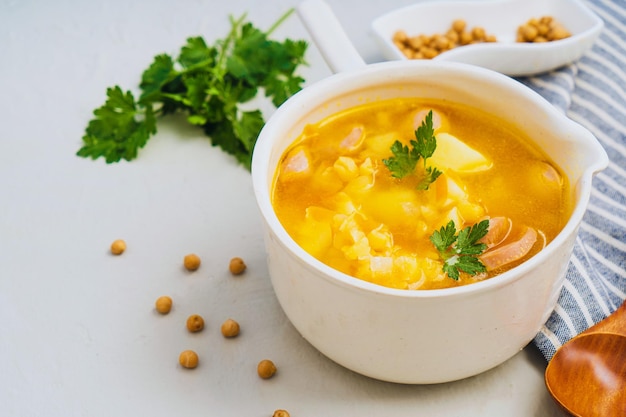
(188, 359)
(230, 328)
(163, 304)
(195, 323)
(192, 262)
(266, 369)
(118, 247)
(281, 413)
(237, 266)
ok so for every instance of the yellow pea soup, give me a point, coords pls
(337, 198)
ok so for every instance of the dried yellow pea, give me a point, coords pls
(195, 323)
(188, 359)
(163, 304)
(236, 266)
(118, 247)
(230, 328)
(266, 369)
(191, 262)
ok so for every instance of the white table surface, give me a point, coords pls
(79, 335)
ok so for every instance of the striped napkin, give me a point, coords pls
(592, 92)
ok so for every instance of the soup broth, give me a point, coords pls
(337, 198)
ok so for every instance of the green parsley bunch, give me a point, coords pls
(209, 83)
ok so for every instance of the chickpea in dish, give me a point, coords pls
(424, 46)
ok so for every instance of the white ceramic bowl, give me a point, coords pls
(421, 336)
(500, 18)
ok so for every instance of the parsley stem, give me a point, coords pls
(227, 44)
(279, 21)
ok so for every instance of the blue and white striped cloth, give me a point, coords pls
(592, 92)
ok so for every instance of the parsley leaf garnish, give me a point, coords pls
(117, 132)
(208, 83)
(460, 252)
(404, 160)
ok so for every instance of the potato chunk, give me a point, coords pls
(453, 154)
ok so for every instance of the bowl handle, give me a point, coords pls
(329, 36)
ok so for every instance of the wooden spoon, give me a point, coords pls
(587, 375)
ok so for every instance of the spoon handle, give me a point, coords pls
(329, 36)
(615, 323)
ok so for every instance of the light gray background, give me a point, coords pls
(78, 332)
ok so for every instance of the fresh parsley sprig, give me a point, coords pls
(404, 160)
(460, 252)
(208, 83)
